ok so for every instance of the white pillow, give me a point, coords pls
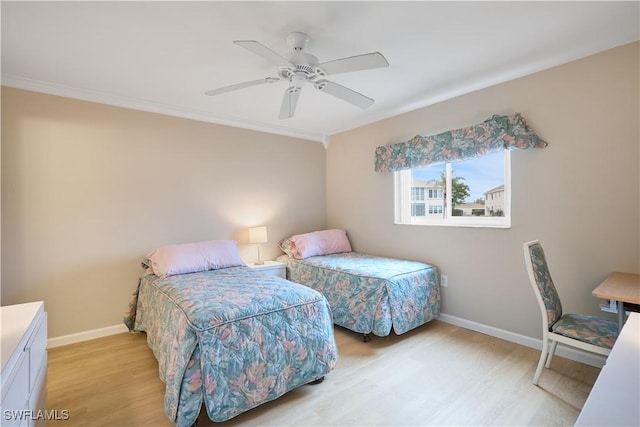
(193, 257)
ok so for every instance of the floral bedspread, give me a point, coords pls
(371, 294)
(232, 338)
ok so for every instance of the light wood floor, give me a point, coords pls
(438, 374)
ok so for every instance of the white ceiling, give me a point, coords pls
(163, 56)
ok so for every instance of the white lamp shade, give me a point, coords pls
(258, 234)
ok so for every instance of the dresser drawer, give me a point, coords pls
(38, 400)
(15, 399)
(37, 346)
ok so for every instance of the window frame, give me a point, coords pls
(402, 216)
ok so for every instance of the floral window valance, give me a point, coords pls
(494, 134)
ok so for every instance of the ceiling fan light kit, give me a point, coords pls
(300, 68)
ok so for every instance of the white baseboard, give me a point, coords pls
(563, 351)
(578, 355)
(86, 335)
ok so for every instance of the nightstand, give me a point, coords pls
(273, 268)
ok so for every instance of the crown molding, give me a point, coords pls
(152, 107)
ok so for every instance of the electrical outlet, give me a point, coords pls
(444, 281)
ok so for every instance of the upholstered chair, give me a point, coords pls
(591, 333)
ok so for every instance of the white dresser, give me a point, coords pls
(23, 379)
(615, 397)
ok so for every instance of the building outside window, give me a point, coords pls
(473, 192)
(494, 201)
(433, 204)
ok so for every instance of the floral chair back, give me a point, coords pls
(545, 284)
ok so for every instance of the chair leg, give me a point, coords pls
(543, 357)
(554, 344)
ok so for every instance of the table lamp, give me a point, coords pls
(258, 235)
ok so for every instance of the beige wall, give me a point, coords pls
(588, 112)
(89, 189)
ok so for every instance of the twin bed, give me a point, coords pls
(367, 294)
(232, 338)
(226, 335)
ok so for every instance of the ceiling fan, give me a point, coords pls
(300, 68)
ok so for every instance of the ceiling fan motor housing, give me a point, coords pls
(302, 64)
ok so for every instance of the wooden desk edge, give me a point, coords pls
(620, 287)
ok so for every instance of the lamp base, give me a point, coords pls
(259, 261)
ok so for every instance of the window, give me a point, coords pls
(417, 209)
(417, 193)
(435, 209)
(435, 193)
(474, 192)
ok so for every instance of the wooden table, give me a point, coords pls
(621, 287)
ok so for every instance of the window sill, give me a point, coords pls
(461, 223)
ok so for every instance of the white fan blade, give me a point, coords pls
(289, 102)
(241, 85)
(354, 63)
(344, 93)
(263, 51)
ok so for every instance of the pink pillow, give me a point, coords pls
(193, 257)
(319, 243)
